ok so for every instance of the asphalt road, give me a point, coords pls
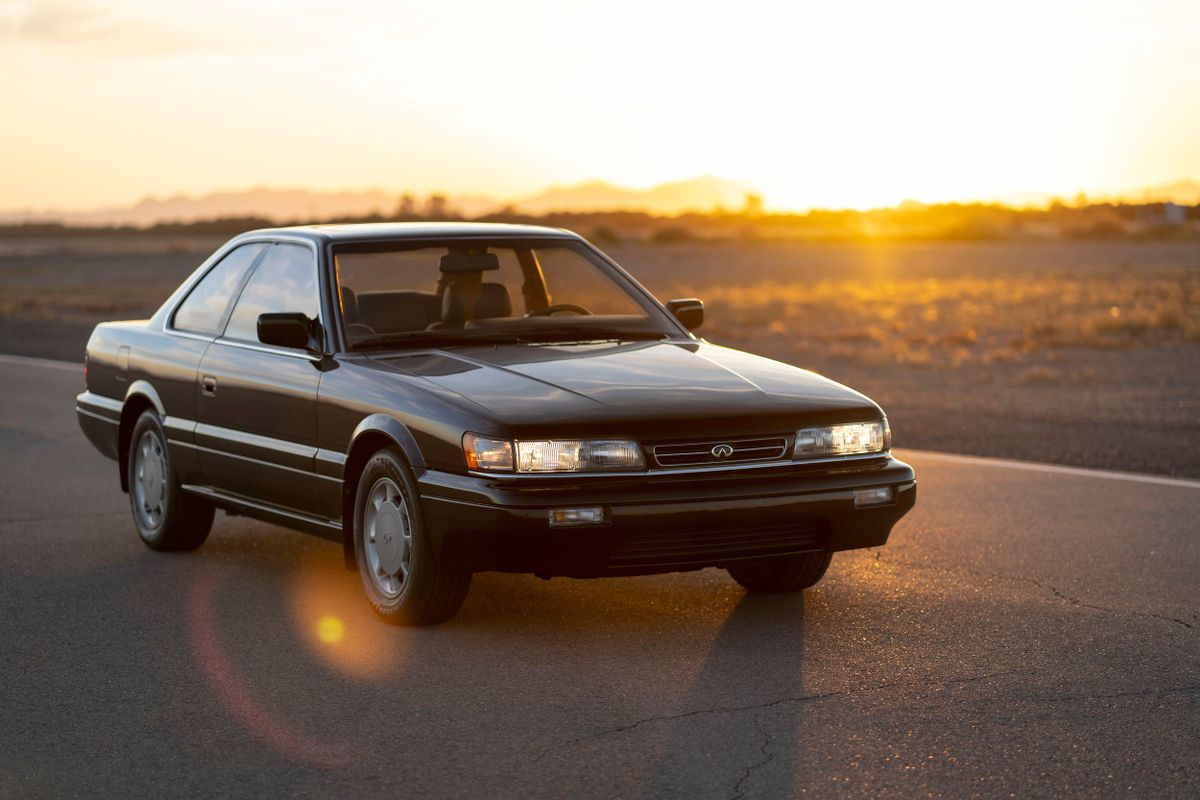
(1026, 632)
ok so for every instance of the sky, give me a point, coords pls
(814, 104)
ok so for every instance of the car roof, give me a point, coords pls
(376, 231)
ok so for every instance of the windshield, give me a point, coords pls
(466, 290)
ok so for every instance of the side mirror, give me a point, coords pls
(285, 330)
(687, 310)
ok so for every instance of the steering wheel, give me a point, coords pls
(554, 309)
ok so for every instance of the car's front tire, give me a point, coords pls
(781, 573)
(403, 579)
(166, 517)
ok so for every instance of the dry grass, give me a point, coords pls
(955, 321)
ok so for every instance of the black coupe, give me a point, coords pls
(450, 398)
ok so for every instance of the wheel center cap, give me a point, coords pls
(151, 481)
(389, 538)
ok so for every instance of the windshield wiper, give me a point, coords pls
(443, 337)
(558, 334)
(571, 333)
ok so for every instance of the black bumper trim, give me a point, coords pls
(484, 525)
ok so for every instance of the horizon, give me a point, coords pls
(1183, 191)
(812, 108)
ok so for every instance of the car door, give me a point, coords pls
(257, 403)
(173, 368)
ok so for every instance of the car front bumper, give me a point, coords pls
(660, 523)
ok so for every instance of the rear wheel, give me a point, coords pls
(404, 581)
(165, 516)
(782, 573)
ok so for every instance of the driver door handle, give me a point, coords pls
(208, 386)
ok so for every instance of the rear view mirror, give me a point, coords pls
(469, 262)
(688, 310)
(284, 330)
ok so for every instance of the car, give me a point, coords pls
(450, 398)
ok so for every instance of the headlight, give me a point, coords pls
(559, 455)
(843, 440)
(578, 456)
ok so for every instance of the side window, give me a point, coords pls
(286, 280)
(204, 307)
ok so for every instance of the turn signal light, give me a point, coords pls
(570, 517)
(874, 497)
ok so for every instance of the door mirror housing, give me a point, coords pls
(286, 329)
(688, 310)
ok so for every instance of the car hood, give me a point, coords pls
(609, 387)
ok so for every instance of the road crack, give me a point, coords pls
(807, 698)
(766, 756)
(1160, 692)
(1075, 601)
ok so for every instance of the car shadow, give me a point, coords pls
(742, 708)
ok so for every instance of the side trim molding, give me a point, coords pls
(240, 457)
(324, 528)
(94, 415)
(99, 406)
(330, 465)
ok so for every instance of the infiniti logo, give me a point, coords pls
(722, 450)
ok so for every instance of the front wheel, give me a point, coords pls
(404, 581)
(166, 517)
(781, 573)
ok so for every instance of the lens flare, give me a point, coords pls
(330, 629)
(231, 689)
(339, 627)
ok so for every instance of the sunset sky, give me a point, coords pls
(815, 104)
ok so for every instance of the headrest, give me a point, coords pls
(493, 301)
(469, 262)
(489, 300)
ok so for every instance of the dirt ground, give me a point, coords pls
(1084, 353)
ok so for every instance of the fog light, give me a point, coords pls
(568, 517)
(874, 497)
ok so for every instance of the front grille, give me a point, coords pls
(695, 548)
(691, 454)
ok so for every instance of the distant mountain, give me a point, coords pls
(282, 205)
(272, 203)
(275, 204)
(698, 194)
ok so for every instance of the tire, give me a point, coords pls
(400, 573)
(165, 516)
(782, 573)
